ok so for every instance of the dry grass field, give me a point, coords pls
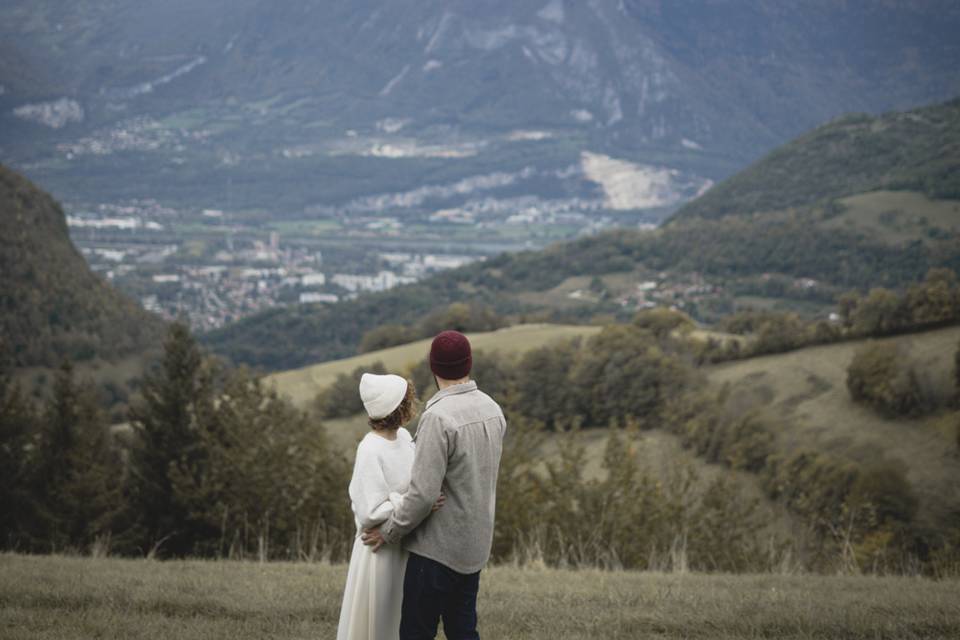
(302, 385)
(47, 598)
(804, 393)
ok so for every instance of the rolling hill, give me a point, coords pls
(801, 395)
(51, 304)
(787, 232)
(916, 151)
(804, 393)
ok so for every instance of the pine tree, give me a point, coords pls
(58, 436)
(79, 472)
(271, 483)
(167, 419)
(956, 375)
(18, 423)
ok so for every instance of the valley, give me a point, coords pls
(458, 133)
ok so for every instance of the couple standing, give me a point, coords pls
(424, 506)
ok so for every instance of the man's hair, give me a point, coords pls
(401, 415)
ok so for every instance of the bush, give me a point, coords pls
(661, 321)
(273, 486)
(461, 317)
(222, 465)
(884, 491)
(745, 322)
(880, 313)
(747, 444)
(779, 333)
(621, 373)
(704, 426)
(813, 485)
(385, 336)
(881, 377)
(623, 518)
(543, 382)
(936, 299)
(342, 398)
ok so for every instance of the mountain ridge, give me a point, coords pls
(701, 88)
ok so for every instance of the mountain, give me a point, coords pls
(364, 106)
(814, 219)
(51, 304)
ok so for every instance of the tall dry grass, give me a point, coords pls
(51, 597)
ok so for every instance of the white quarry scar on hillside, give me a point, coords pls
(633, 186)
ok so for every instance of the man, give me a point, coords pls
(458, 445)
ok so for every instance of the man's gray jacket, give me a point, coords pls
(459, 442)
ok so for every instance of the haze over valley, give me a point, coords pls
(216, 159)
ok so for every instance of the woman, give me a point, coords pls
(381, 473)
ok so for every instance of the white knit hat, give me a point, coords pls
(381, 395)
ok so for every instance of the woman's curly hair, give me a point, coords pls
(401, 415)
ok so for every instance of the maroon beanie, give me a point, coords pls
(450, 356)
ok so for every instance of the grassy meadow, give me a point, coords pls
(51, 597)
(898, 216)
(805, 392)
(302, 385)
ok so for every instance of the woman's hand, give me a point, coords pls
(439, 503)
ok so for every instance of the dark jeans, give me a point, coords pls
(432, 591)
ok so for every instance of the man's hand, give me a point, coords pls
(439, 503)
(373, 538)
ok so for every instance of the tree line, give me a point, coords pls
(210, 463)
(931, 303)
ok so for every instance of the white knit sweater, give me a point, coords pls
(381, 474)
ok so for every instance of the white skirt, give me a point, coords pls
(374, 593)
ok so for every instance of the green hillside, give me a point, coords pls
(915, 150)
(51, 304)
(896, 217)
